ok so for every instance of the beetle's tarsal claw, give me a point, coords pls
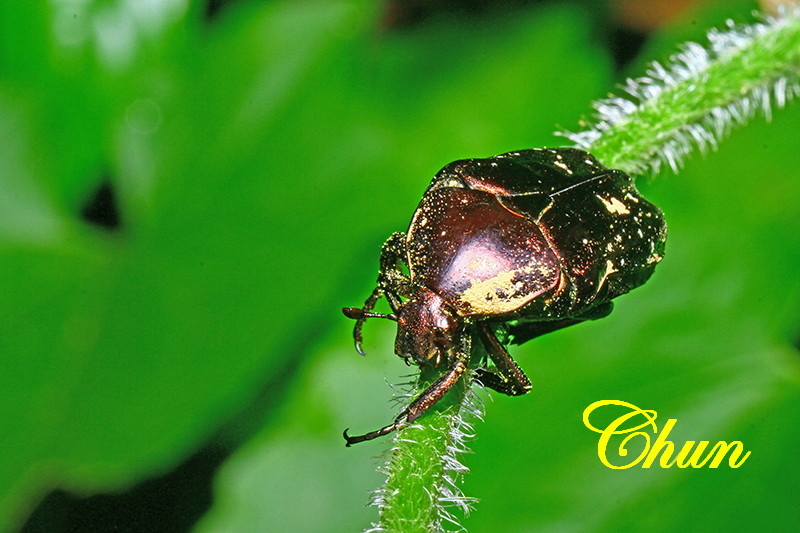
(349, 441)
(359, 349)
(358, 337)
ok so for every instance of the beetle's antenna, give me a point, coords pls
(359, 314)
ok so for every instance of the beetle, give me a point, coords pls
(502, 250)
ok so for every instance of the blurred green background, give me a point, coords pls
(189, 192)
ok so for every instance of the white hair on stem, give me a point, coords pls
(698, 97)
(446, 496)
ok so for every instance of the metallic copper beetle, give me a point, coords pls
(509, 248)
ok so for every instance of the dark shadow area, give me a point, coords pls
(624, 45)
(101, 208)
(176, 500)
(171, 503)
(399, 14)
(214, 8)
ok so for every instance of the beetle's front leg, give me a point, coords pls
(424, 401)
(435, 392)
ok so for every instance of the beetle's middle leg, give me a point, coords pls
(509, 378)
(390, 278)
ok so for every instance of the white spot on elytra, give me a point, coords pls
(614, 206)
(631, 197)
(559, 164)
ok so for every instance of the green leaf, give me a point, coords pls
(125, 349)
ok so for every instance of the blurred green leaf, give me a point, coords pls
(710, 340)
(125, 349)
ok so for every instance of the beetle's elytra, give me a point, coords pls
(509, 247)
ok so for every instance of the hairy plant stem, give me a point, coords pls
(688, 105)
(420, 472)
(694, 101)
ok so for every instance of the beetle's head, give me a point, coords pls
(426, 327)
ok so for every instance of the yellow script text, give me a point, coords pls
(638, 423)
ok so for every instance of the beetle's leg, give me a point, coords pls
(361, 317)
(393, 281)
(509, 379)
(424, 401)
(435, 392)
(522, 332)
